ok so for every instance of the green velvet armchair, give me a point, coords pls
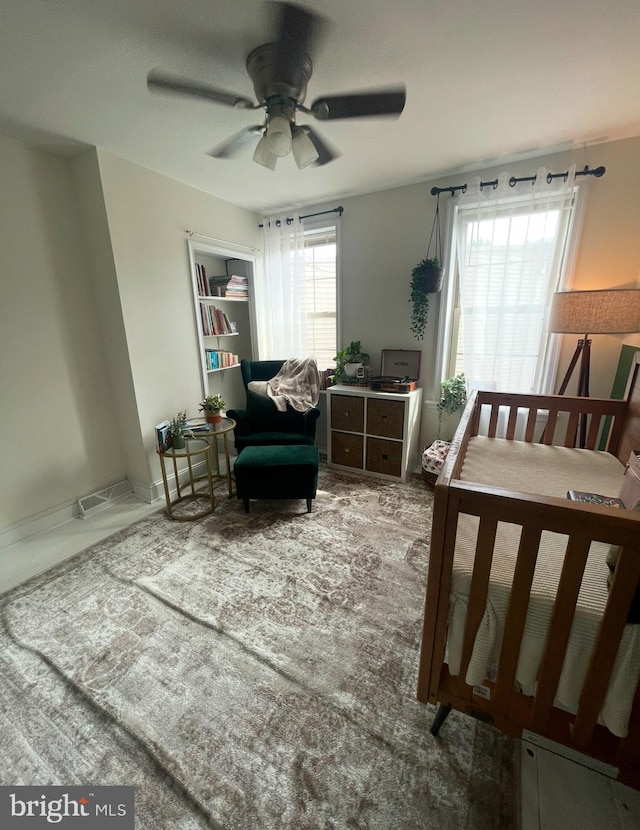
(261, 424)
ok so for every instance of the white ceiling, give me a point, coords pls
(486, 80)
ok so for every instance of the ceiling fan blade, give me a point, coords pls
(388, 101)
(160, 82)
(232, 145)
(325, 152)
(298, 31)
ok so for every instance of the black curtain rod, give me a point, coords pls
(513, 181)
(289, 219)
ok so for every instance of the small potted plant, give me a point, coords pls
(211, 407)
(453, 397)
(426, 278)
(348, 361)
(177, 430)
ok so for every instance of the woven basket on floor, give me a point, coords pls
(432, 461)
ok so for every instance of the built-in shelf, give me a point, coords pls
(223, 369)
(215, 269)
(223, 299)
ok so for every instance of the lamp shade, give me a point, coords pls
(609, 311)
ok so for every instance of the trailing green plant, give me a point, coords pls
(352, 354)
(212, 403)
(453, 397)
(426, 278)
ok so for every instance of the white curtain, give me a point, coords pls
(511, 246)
(282, 307)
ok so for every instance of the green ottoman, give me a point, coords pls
(277, 472)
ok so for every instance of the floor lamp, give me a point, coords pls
(608, 311)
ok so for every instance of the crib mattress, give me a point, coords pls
(550, 471)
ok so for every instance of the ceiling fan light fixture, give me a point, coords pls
(279, 135)
(264, 156)
(304, 151)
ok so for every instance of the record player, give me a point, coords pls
(399, 371)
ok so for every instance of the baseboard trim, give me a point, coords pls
(38, 523)
(154, 490)
(54, 516)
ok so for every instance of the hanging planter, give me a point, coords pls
(426, 278)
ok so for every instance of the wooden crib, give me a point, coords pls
(490, 512)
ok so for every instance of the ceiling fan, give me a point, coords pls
(280, 71)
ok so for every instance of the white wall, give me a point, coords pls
(148, 215)
(58, 438)
(97, 327)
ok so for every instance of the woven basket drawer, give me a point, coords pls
(347, 413)
(385, 418)
(347, 449)
(384, 457)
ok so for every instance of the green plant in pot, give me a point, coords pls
(453, 397)
(211, 407)
(177, 430)
(348, 361)
(426, 278)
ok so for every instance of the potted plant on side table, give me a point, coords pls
(211, 407)
(177, 430)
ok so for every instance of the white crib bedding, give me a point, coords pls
(551, 471)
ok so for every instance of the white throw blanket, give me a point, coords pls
(297, 383)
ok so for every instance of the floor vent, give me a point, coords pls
(101, 498)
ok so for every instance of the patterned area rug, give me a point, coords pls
(249, 671)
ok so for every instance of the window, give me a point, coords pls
(296, 304)
(509, 255)
(320, 329)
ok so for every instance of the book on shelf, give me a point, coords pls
(220, 359)
(162, 436)
(594, 498)
(237, 287)
(202, 284)
(218, 285)
(221, 286)
(214, 320)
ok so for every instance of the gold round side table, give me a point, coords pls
(194, 447)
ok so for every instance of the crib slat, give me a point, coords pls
(572, 429)
(477, 595)
(531, 424)
(559, 629)
(493, 421)
(592, 435)
(511, 424)
(516, 614)
(549, 430)
(594, 689)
